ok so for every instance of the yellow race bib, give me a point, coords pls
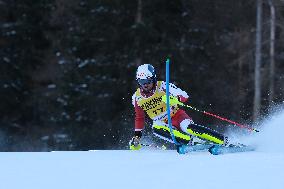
(154, 106)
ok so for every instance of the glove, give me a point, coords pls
(173, 100)
(134, 143)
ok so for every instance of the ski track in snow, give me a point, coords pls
(153, 169)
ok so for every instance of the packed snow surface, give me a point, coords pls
(141, 170)
(147, 169)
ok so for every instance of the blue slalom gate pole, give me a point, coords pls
(168, 100)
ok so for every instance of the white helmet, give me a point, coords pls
(146, 73)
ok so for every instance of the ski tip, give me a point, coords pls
(181, 149)
(214, 150)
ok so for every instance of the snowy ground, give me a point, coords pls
(143, 169)
(261, 169)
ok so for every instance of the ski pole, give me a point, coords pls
(163, 147)
(176, 101)
(222, 118)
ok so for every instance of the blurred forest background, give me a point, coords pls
(68, 66)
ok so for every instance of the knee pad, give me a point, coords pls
(184, 124)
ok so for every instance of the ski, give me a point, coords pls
(183, 149)
(214, 149)
(217, 149)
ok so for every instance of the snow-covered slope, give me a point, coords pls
(262, 169)
(143, 169)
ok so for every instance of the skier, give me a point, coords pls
(149, 98)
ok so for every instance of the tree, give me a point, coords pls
(272, 52)
(257, 69)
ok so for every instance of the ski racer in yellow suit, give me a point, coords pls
(149, 98)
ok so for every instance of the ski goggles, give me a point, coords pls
(145, 81)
